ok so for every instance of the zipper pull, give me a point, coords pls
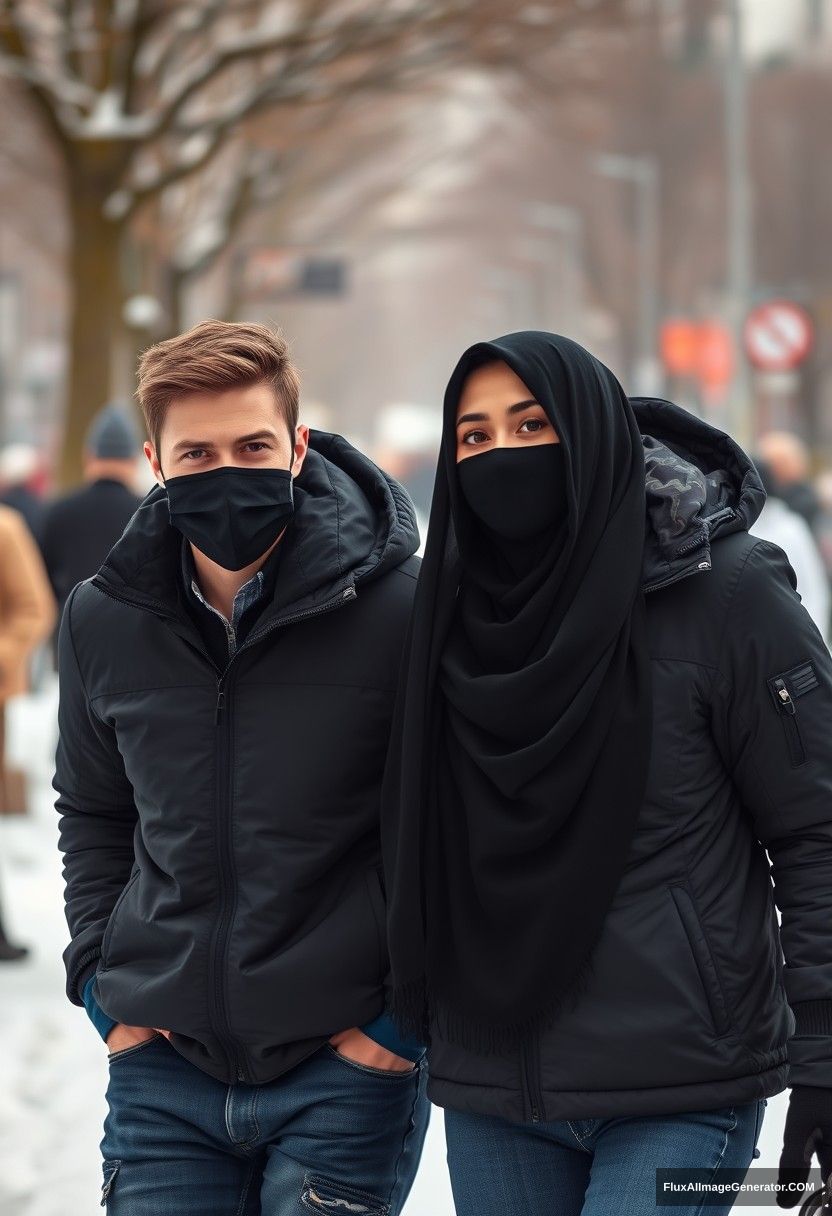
(784, 697)
(220, 704)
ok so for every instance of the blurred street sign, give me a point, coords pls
(704, 349)
(268, 272)
(780, 384)
(778, 336)
(679, 343)
(715, 356)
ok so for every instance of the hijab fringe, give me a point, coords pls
(414, 1011)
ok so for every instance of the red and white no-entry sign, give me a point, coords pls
(778, 336)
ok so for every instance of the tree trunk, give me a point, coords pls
(95, 305)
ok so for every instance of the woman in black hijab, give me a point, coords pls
(567, 842)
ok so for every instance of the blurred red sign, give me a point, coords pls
(698, 348)
(715, 355)
(778, 336)
(678, 346)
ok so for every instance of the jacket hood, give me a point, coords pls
(352, 522)
(700, 486)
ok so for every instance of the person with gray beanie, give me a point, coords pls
(81, 527)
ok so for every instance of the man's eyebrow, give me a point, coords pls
(512, 409)
(264, 434)
(187, 444)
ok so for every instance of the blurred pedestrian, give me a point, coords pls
(784, 527)
(81, 527)
(27, 613)
(20, 464)
(613, 705)
(823, 489)
(226, 689)
(787, 457)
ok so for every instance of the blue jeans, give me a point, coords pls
(591, 1167)
(330, 1136)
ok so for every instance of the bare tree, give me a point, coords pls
(139, 95)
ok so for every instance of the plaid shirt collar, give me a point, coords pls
(250, 592)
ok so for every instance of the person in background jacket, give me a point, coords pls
(81, 527)
(788, 460)
(613, 705)
(227, 681)
(788, 530)
(20, 470)
(27, 613)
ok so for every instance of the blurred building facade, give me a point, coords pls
(586, 192)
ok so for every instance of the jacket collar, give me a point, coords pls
(352, 522)
(700, 486)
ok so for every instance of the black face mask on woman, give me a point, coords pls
(232, 515)
(516, 492)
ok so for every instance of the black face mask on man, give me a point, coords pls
(516, 492)
(232, 515)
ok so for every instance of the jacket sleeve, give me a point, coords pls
(775, 673)
(29, 610)
(97, 816)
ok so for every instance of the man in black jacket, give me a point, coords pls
(80, 528)
(227, 681)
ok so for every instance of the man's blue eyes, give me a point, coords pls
(195, 453)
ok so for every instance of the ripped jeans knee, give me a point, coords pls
(324, 1195)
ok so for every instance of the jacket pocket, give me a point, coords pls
(108, 932)
(135, 1047)
(786, 688)
(705, 965)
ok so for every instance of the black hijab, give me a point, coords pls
(521, 736)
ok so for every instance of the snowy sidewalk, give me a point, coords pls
(53, 1064)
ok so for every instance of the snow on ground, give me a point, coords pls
(53, 1064)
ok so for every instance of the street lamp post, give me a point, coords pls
(643, 173)
(739, 218)
(567, 223)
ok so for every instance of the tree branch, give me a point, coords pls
(18, 62)
(350, 35)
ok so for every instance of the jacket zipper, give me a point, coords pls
(228, 877)
(228, 884)
(788, 715)
(532, 1095)
(234, 1053)
(675, 578)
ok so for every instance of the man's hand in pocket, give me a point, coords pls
(357, 1046)
(122, 1036)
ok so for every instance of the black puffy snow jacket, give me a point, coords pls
(220, 829)
(691, 1006)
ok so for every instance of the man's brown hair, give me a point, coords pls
(213, 357)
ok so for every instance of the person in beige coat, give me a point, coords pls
(27, 616)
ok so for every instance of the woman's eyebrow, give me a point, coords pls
(511, 409)
(521, 405)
